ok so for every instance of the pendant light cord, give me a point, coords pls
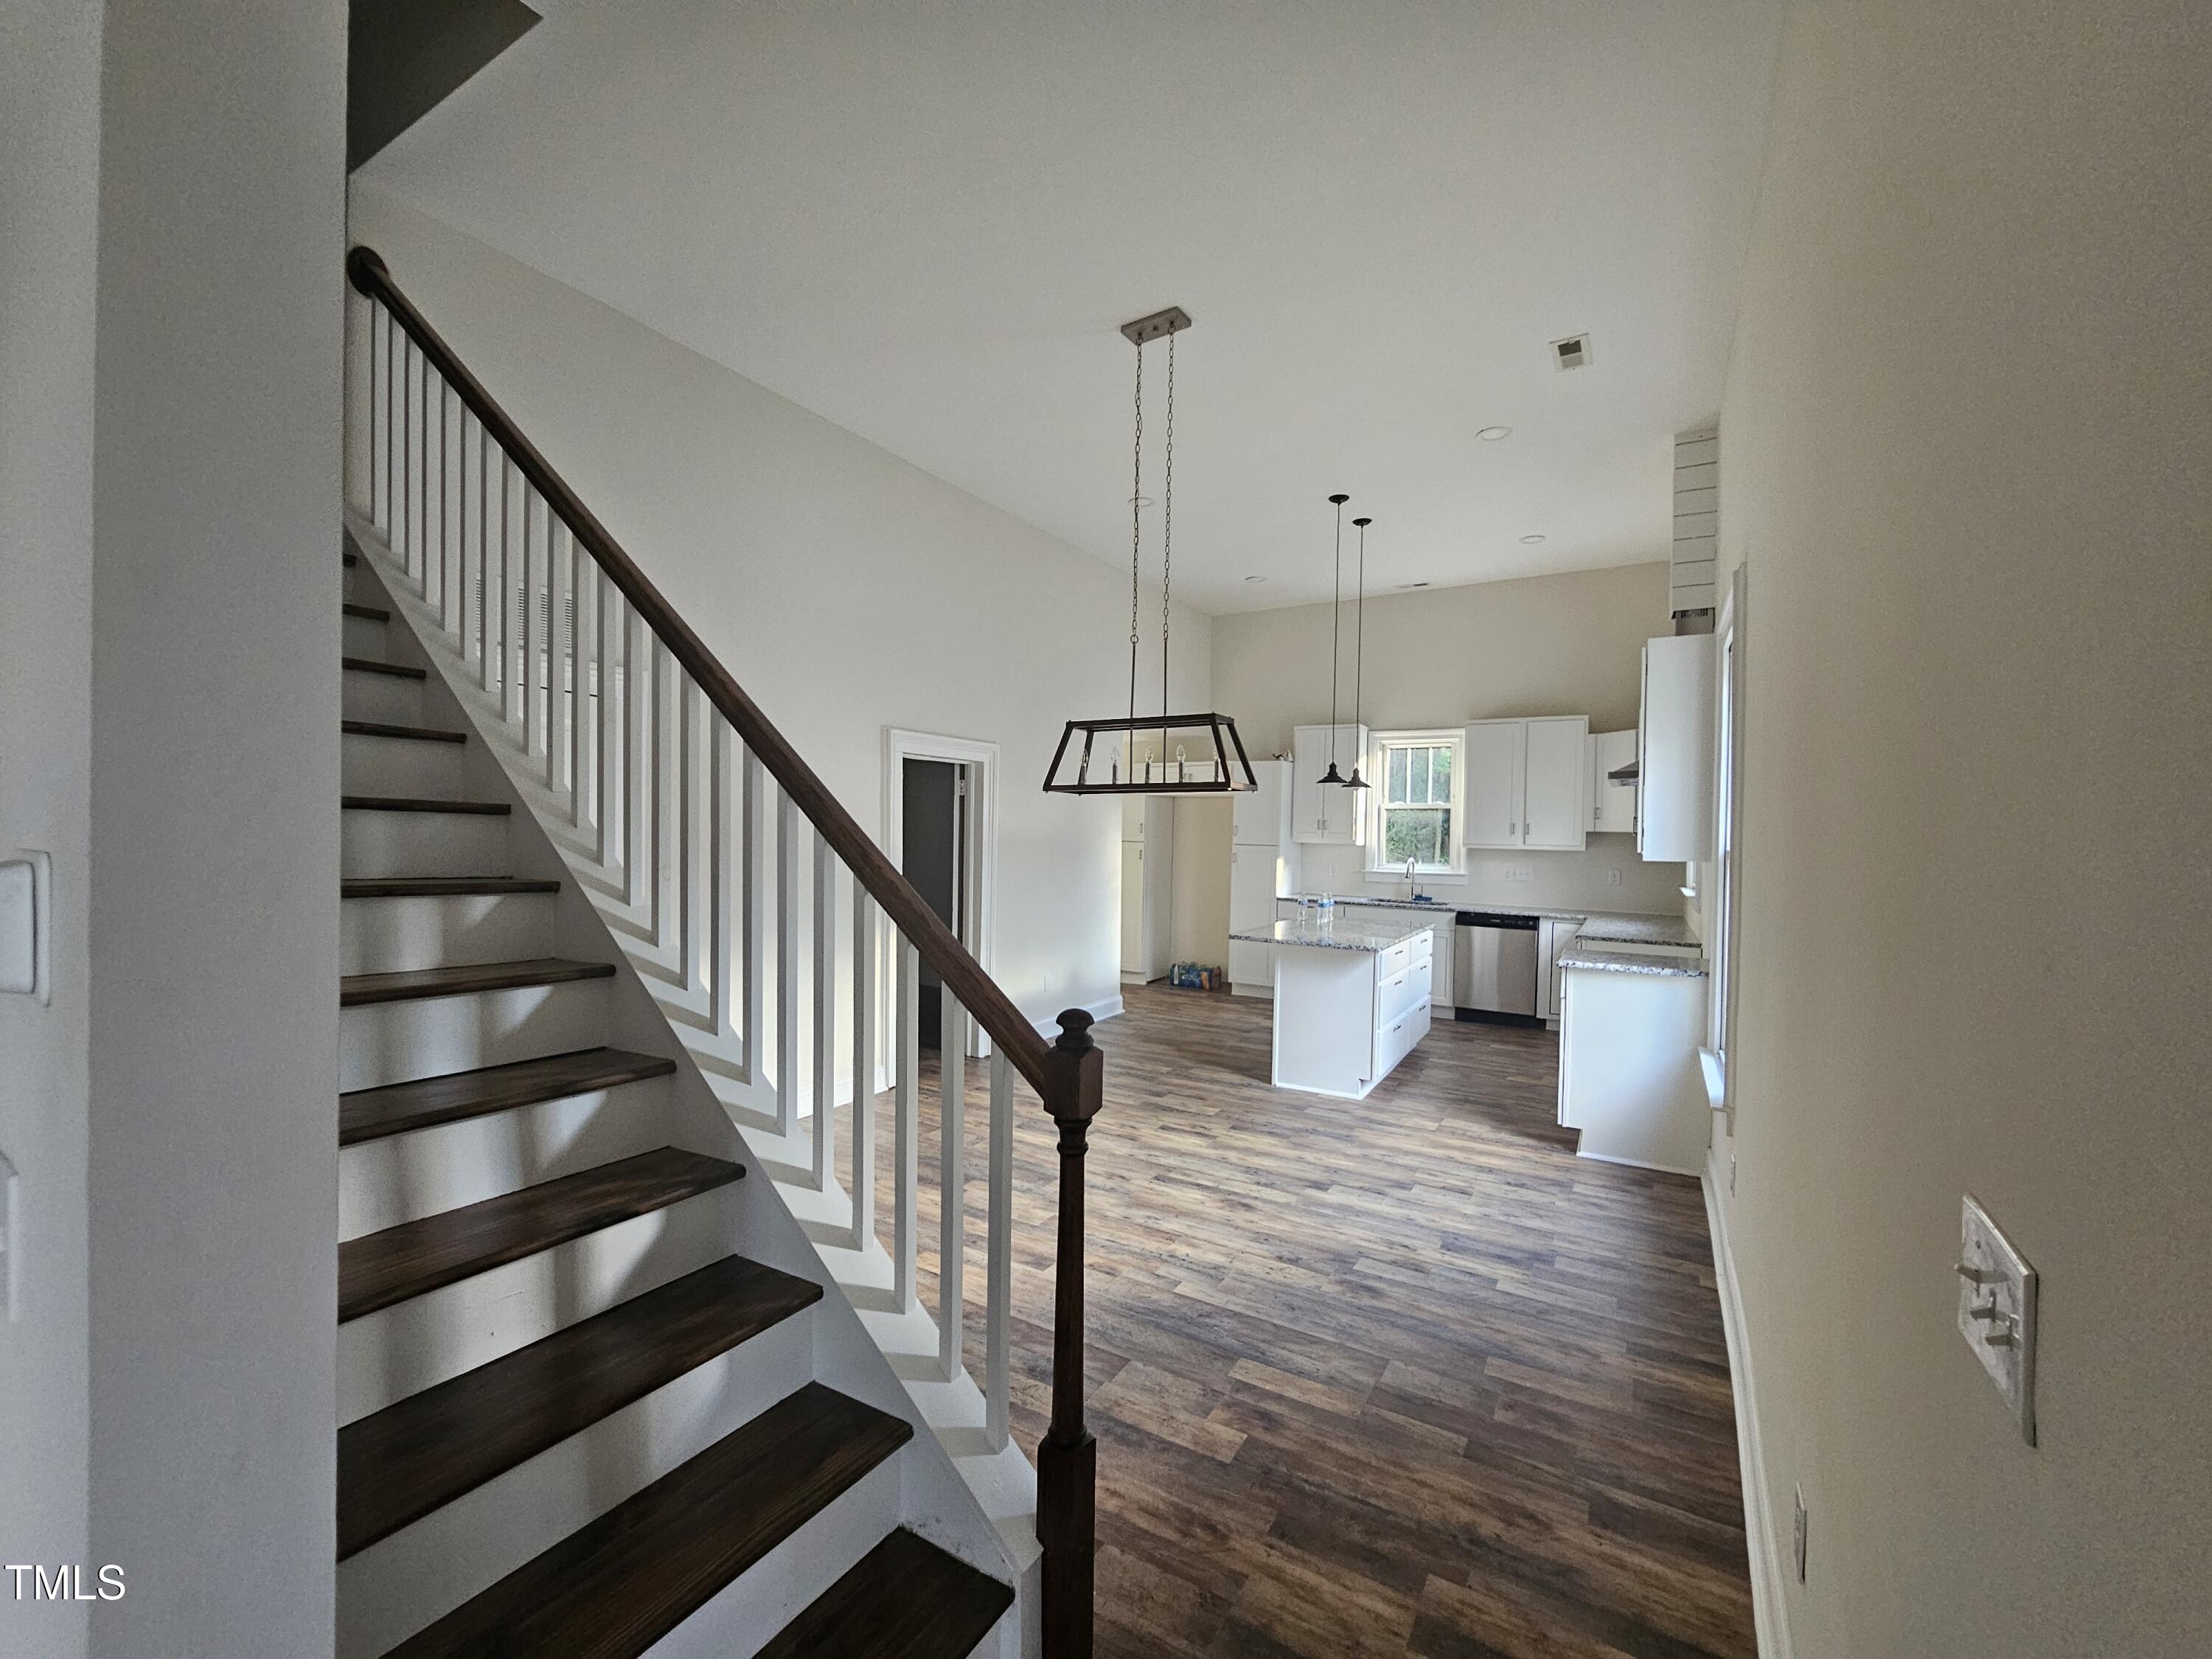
(1136, 527)
(1167, 548)
(1335, 628)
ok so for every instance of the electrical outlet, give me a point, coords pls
(1613, 878)
(1997, 1310)
(1798, 1535)
(1731, 1175)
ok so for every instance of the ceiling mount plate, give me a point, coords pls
(1173, 320)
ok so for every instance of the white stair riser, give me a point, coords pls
(396, 1587)
(394, 1041)
(397, 1351)
(366, 696)
(423, 844)
(364, 636)
(394, 935)
(400, 766)
(760, 1602)
(404, 1177)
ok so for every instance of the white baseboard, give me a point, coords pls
(1104, 1008)
(1638, 1164)
(1769, 1578)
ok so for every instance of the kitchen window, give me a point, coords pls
(1416, 790)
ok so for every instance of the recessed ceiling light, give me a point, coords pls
(1256, 578)
(1491, 435)
(1530, 541)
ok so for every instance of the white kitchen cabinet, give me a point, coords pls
(1257, 877)
(1147, 886)
(1261, 816)
(1527, 784)
(1554, 935)
(1629, 1078)
(1440, 938)
(1326, 813)
(1675, 758)
(1612, 805)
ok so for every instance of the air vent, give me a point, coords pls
(1573, 352)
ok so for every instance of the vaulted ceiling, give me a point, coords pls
(926, 221)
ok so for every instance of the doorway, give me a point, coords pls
(940, 792)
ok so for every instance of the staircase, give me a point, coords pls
(622, 1366)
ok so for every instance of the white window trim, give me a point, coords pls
(1379, 743)
(1725, 928)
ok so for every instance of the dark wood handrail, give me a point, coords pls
(964, 976)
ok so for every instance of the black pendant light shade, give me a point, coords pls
(1335, 628)
(1359, 644)
(1128, 762)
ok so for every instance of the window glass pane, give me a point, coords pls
(1395, 786)
(1422, 833)
(1417, 778)
(1440, 780)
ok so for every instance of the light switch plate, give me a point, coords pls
(26, 920)
(1997, 1310)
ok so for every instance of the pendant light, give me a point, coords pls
(1335, 632)
(1359, 645)
(1224, 766)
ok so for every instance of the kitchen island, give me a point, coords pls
(1352, 998)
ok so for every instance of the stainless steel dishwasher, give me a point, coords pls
(1494, 965)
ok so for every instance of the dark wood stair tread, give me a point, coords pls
(397, 671)
(396, 1108)
(368, 612)
(378, 1269)
(414, 734)
(611, 1589)
(442, 886)
(418, 803)
(421, 1453)
(357, 990)
(905, 1599)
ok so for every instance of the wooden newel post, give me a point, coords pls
(1067, 1457)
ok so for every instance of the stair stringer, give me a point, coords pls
(977, 1505)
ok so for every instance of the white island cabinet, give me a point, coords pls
(1352, 998)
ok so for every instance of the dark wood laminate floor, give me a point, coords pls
(1401, 1377)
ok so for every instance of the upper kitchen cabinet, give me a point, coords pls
(1612, 804)
(1674, 744)
(1261, 816)
(1527, 784)
(1325, 812)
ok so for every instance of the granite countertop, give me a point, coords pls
(1598, 927)
(1634, 962)
(1339, 931)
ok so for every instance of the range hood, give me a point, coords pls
(1628, 773)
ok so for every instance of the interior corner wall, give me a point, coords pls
(212, 953)
(1966, 422)
(49, 225)
(849, 592)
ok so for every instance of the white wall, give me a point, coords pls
(1967, 427)
(49, 218)
(213, 927)
(848, 591)
(1542, 645)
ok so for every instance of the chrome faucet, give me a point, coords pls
(1412, 859)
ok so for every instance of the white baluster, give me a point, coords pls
(864, 1066)
(999, 1257)
(753, 856)
(608, 637)
(906, 1123)
(688, 885)
(637, 693)
(533, 643)
(720, 872)
(557, 643)
(487, 596)
(786, 964)
(445, 537)
(952, 1179)
(825, 1010)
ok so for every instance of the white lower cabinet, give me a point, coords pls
(1255, 883)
